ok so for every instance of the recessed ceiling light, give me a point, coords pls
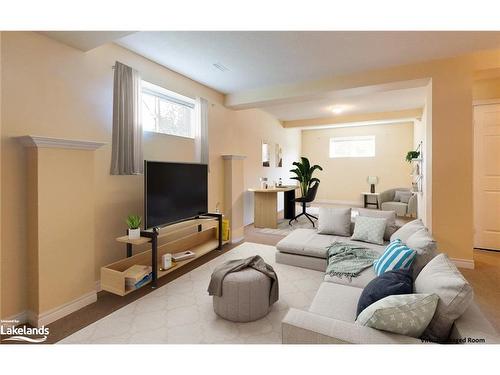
(337, 109)
(221, 67)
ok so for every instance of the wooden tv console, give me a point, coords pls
(200, 235)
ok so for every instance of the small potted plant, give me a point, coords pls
(134, 224)
(412, 155)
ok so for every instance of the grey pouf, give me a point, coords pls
(245, 296)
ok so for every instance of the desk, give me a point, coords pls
(367, 203)
(266, 205)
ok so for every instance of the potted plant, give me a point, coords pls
(304, 173)
(134, 224)
(412, 155)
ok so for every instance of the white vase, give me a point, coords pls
(134, 234)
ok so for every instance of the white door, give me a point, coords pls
(487, 176)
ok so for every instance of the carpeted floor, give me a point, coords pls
(181, 312)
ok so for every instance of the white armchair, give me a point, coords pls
(387, 202)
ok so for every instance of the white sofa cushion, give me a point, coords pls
(390, 216)
(336, 301)
(442, 277)
(407, 230)
(405, 314)
(334, 221)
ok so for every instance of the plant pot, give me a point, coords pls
(134, 234)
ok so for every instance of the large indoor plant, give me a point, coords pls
(304, 173)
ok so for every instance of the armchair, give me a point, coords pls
(387, 202)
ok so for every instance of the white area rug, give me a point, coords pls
(181, 312)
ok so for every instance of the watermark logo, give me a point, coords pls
(23, 334)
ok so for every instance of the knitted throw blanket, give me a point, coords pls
(349, 260)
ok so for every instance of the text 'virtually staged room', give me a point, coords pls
(250, 187)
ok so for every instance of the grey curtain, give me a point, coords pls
(126, 154)
(201, 132)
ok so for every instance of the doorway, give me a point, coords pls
(486, 184)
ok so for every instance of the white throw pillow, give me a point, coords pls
(405, 314)
(441, 276)
(369, 229)
(407, 230)
(334, 221)
(390, 216)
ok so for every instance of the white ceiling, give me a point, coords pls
(257, 59)
(384, 101)
(85, 40)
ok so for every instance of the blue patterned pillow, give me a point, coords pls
(396, 256)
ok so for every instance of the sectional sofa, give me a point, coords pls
(331, 317)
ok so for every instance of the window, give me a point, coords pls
(166, 112)
(352, 147)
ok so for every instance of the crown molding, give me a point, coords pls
(233, 157)
(48, 142)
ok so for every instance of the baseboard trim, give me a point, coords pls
(98, 286)
(463, 263)
(345, 203)
(236, 240)
(63, 310)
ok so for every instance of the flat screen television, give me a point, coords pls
(174, 192)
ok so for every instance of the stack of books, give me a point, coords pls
(136, 276)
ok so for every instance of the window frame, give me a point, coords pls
(351, 138)
(158, 93)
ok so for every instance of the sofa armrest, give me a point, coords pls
(386, 196)
(412, 205)
(303, 327)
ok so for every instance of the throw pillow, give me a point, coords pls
(405, 196)
(407, 230)
(396, 256)
(390, 216)
(422, 242)
(369, 229)
(334, 221)
(441, 276)
(387, 284)
(405, 314)
(397, 195)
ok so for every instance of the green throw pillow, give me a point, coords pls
(369, 229)
(405, 314)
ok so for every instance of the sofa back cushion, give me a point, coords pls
(441, 276)
(369, 229)
(387, 284)
(407, 230)
(395, 257)
(334, 221)
(390, 216)
(405, 314)
(422, 242)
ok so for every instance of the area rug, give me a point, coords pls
(181, 312)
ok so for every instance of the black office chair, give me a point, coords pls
(311, 194)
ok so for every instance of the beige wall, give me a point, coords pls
(57, 91)
(343, 179)
(485, 89)
(253, 127)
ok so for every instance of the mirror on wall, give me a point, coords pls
(279, 155)
(266, 162)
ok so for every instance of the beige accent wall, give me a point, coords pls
(254, 127)
(58, 91)
(61, 226)
(343, 179)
